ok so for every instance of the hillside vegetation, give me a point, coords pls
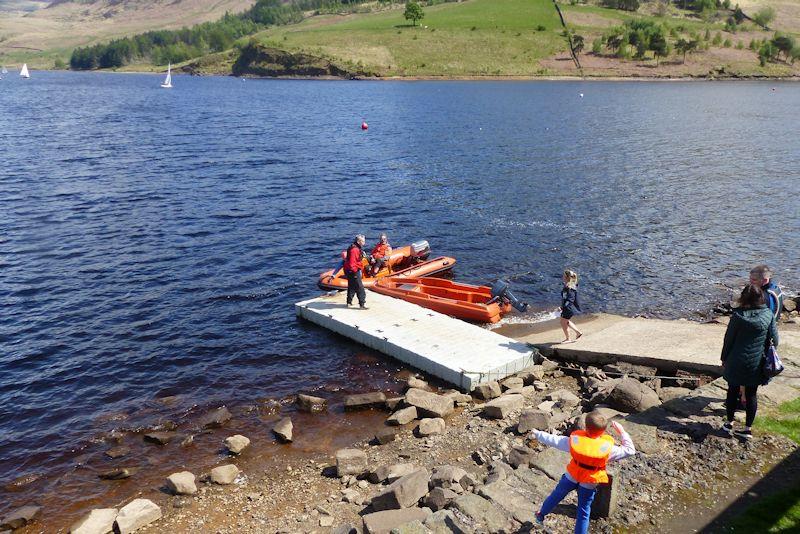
(477, 38)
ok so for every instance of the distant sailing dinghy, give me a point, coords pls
(168, 80)
(24, 71)
(4, 71)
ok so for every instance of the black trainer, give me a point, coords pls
(744, 434)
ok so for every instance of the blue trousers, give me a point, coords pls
(585, 498)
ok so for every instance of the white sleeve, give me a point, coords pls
(618, 452)
(551, 440)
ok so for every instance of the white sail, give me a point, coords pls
(168, 80)
(24, 71)
(4, 71)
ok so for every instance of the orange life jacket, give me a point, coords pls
(380, 250)
(589, 457)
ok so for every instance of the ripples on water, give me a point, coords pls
(153, 241)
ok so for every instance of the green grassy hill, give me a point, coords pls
(525, 38)
(473, 38)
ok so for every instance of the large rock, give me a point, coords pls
(403, 416)
(444, 522)
(135, 515)
(216, 418)
(440, 498)
(119, 473)
(445, 475)
(383, 522)
(224, 474)
(237, 443)
(789, 305)
(521, 456)
(350, 462)
(114, 453)
(385, 435)
(404, 492)
(430, 427)
(512, 382)
(669, 393)
(393, 403)
(501, 407)
(429, 404)
(460, 399)
(552, 462)
(605, 500)
(390, 473)
(632, 396)
(309, 403)
(507, 498)
(487, 391)
(564, 397)
(531, 375)
(482, 512)
(533, 419)
(98, 521)
(413, 527)
(181, 483)
(414, 382)
(283, 430)
(160, 438)
(644, 436)
(363, 401)
(20, 517)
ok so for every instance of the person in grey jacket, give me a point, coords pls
(750, 330)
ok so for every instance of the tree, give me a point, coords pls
(683, 46)
(766, 53)
(783, 43)
(764, 16)
(577, 44)
(413, 12)
(659, 46)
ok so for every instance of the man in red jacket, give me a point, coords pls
(353, 264)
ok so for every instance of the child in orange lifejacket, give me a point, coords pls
(591, 450)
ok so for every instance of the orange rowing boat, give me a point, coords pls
(410, 261)
(464, 301)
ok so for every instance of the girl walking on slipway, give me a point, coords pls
(570, 305)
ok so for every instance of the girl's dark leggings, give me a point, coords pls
(751, 403)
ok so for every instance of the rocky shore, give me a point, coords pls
(445, 461)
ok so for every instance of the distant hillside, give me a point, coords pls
(27, 26)
(477, 38)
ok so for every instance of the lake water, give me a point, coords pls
(152, 241)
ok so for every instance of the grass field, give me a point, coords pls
(779, 512)
(479, 37)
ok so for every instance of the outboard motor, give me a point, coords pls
(501, 291)
(420, 249)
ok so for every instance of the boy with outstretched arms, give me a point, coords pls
(591, 450)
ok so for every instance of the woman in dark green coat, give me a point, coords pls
(749, 333)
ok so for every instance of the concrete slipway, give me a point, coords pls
(460, 353)
(465, 354)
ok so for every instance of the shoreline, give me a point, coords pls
(269, 473)
(475, 78)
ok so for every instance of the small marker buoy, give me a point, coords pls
(364, 125)
(581, 95)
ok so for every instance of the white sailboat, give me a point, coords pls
(24, 71)
(4, 71)
(168, 80)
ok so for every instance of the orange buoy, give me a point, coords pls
(364, 125)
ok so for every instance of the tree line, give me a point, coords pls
(173, 46)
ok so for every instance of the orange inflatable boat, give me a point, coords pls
(410, 261)
(464, 301)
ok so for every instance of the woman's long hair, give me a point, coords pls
(571, 279)
(752, 297)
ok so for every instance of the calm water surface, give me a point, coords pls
(152, 242)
